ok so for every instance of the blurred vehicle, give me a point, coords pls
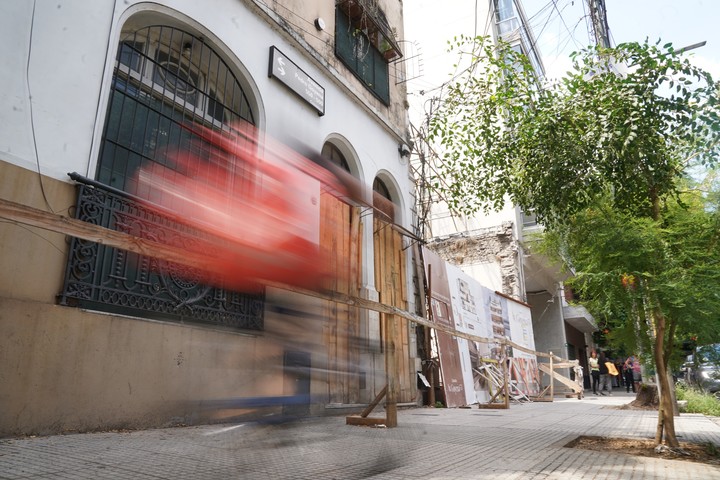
(702, 368)
(257, 200)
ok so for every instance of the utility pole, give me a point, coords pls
(598, 14)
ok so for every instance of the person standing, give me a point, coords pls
(594, 371)
(605, 378)
(628, 371)
(619, 377)
(613, 372)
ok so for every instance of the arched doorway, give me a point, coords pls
(391, 283)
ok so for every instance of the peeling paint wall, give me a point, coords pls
(496, 247)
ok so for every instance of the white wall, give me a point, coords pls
(71, 49)
(66, 44)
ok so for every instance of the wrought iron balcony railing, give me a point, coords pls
(98, 277)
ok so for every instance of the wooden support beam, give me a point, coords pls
(541, 399)
(95, 233)
(392, 370)
(506, 381)
(574, 386)
(105, 236)
(493, 406)
(374, 403)
(552, 377)
(497, 394)
(87, 231)
(542, 394)
(364, 421)
(571, 364)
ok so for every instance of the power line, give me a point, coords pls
(536, 38)
(543, 8)
(554, 2)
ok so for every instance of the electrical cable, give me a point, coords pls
(547, 5)
(31, 231)
(32, 117)
(432, 88)
(565, 24)
(547, 22)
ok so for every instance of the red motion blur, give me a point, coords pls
(261, 200)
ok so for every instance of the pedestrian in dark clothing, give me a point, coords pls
(634, 366)
(605, 377)
(619, 379)
(628, 372)
(594, 371)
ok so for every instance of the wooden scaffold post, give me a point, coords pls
(392, 371)
(552, 377)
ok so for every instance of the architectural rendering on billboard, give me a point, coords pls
(482, 312)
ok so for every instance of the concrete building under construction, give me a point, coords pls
(496, 249)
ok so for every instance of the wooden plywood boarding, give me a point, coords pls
(339, 236)
(391, 282)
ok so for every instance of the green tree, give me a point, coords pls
(599, 157)
(634, 269)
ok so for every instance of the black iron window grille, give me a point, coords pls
(107, 279)
(165, 79)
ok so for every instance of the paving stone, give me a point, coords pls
(523, 442)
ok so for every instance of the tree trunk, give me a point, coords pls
(673, 395)
(666, 420)
(646, 397)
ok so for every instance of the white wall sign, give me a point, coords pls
(282, 68)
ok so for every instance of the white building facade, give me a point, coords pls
(100, 88)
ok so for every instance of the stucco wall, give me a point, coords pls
(55, 95)
(549, 331)
(300, 16)
(32, 260)
(63, 369)
(69, 85)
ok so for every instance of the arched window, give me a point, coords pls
(164, 79)
(333, 153)
(382, 201)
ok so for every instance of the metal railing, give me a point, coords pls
(98, 277)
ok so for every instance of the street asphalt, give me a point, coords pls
(524, 442)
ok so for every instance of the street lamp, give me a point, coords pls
(691, 47)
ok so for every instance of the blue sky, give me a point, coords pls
(682, 23)
(430, 23)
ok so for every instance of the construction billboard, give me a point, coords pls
(461, 302)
